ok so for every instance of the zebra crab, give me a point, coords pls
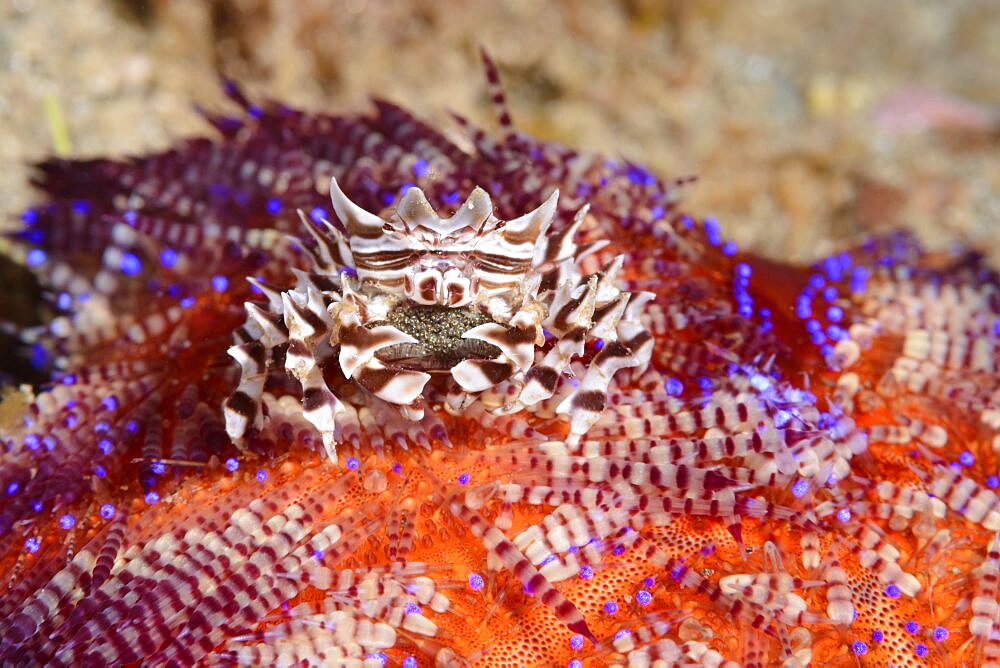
(469, 304)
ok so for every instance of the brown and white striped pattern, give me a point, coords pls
(510, 272)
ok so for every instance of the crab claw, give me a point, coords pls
(479, 375)
(517, 344)
(358, 345)
(396, 386)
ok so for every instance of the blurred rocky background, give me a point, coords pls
(809, 123)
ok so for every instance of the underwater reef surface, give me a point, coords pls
(802, 470)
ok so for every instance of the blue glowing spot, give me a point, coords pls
(648, 582)
(39, 356)
(403, 188)
(622, 633)
(744, 270)
(463, 479)
(640, 176)
(37, 506)
(80, 207)
(379, 657)
(34, 237)
(826, 350)
(420, 168)
(130, 264)
(318, 555)
(643, 597)
(657, 212)
(803, 308)
(397, 468)
(220, 283)
(476, 582)
(168, 257)
(830, 293)
(131, 426)
(274, 206)
(729, 248)
(586, 571)
(68, 380)
(598, 344)
(576, 642)
(67, 522)
(32, 545)
(610, 607)
(100, 471)
(877, 635)
(940, 634)
(836, 333)
(410, 662)
(993, 482)
(816, 281)
(920, 649)
(574, 663)
(29, 216)
(152, 498)
(967, 458)
(187, 302)
(799, 488)
(353, 463)
(912, 627)
(64, 301)
(860, 647)
(450, 198)
(232, 464)
(835, 314)
(705, 383)
(261, 475)
(844, 514)
(318, 214)
(387, 198)
(618, 550)
(105, 446)
(412, 609)
(674, 387)
(745, 311)
(107, 511)
(158, 468)
(109, 403)
(12, 488)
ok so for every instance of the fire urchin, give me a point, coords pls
(473, 302)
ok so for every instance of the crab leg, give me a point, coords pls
(308, 327)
